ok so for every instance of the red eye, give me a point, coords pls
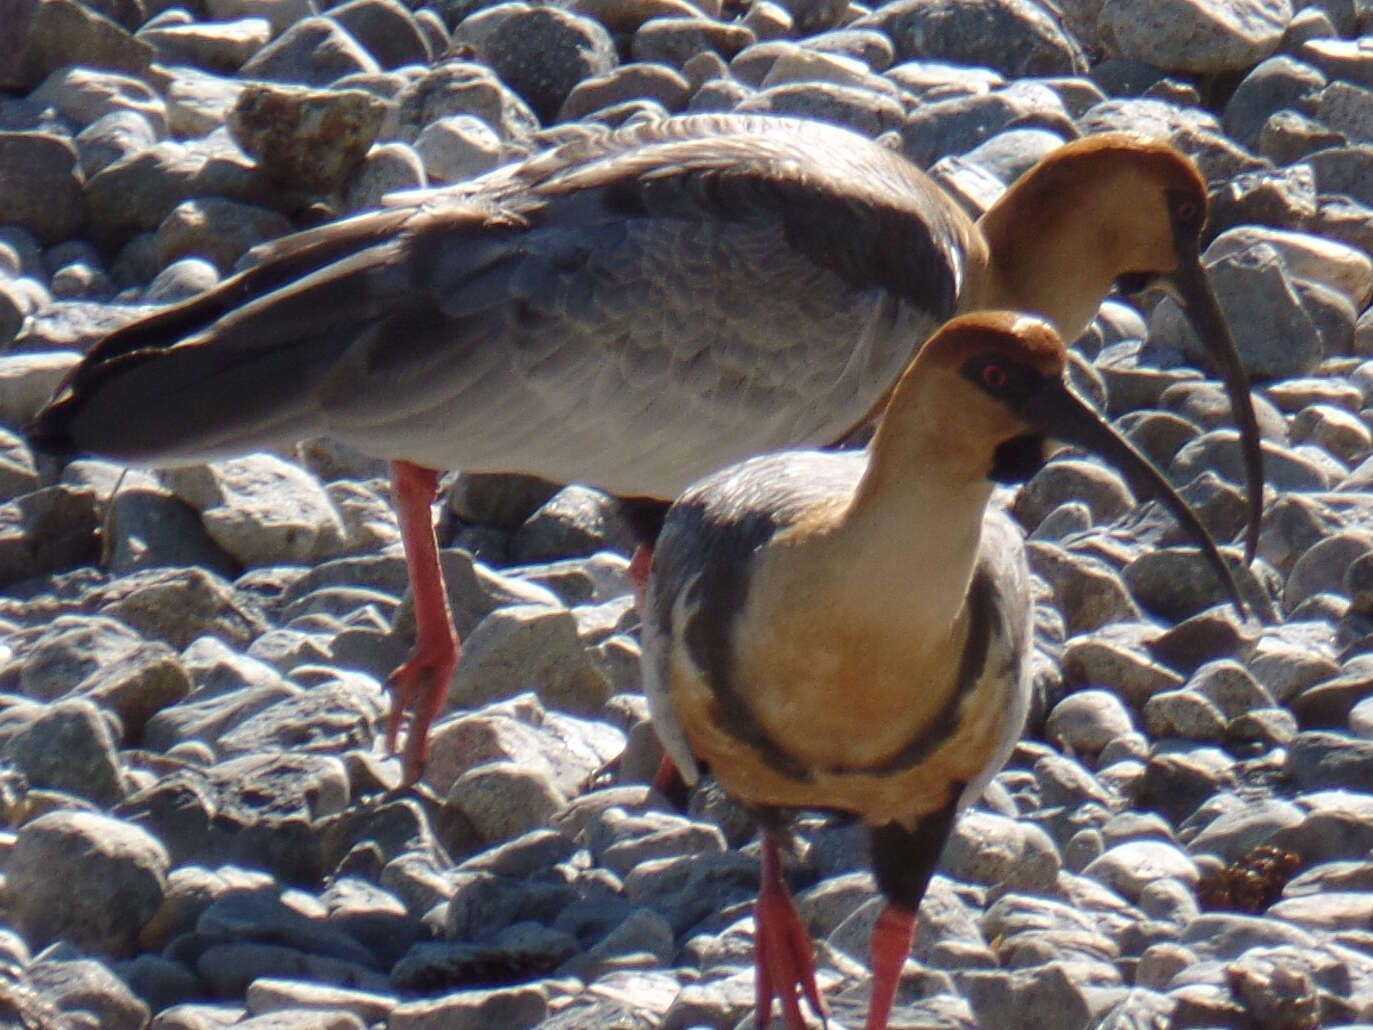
(1185, 210)
(993, 376)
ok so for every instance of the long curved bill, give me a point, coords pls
(1062, 415)
(1193, 292)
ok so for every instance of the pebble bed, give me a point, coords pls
(202, 823)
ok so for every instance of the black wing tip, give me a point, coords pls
(49, 434)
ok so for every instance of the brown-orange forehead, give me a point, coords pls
(1022, 338)
(1108, 152)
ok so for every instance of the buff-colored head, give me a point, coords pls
(1119, 210)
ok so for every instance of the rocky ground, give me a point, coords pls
(203, 829)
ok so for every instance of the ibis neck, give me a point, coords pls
(1042, 265)
(917, 517)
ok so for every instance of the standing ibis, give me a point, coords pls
(632, 311)
(853, 630)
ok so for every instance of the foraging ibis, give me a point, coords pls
(853, 630)
(632, 311)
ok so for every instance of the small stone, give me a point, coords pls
(1085, 721)
(387, 168)
(991, 849)
(219, 230)
(1184, 713)
(521, 645)
(40, 185)
(313, 52)
(515, 1007)
(53, 34)
(387, 29)
(306, 138)
(80, 985)
(503, 800)
(85, 878)
(220, 47)
(260, 509)
(1012, 37)
(541, 52)
(458, 147)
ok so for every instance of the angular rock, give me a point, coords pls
(311, 139)
(85, 878)
(40, 185)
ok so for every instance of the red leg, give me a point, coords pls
(421, 684)
(667, 781)
(781, 948)
(891, 944)
(640, 565)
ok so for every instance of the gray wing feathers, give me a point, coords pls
(631, 311)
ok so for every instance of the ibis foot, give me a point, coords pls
(418, 688)
(783, 965)
(891, 944)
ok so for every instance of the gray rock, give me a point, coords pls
(313, 52)
(227, 968)
(46, 531)
(1010, 36)
(627, 82)
(44, 36)
(1344, 170)
(1347, 109)
(1084, 722)
(502, 800)
(307, 138)
(1100, 488)
(161, 982)
(676, 40)
(272, 995)
(523, 645)
(689, 889)
(1273, 85)
(181, 280)
(1035, 999)
(1087, 591)
(261, 510)
(81, 985)
(85, 878)
(513, 1007)
(457, 147)
(994, 850)
(198, 103)
(218, 230)
(219, 47)
(136, 193)
(1321, 759)
(1289, 136)
(1342, 434)
(959, 124)
(387, 168)
(40, 185)
(1324, 565)
(1186, 714)
(461, 87)
(542, 53)
(853, 107)
(387, 29)
(86, 95)
(1184, 36)
(178, 605)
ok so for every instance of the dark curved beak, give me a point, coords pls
(1193, 292)
(1062, 415)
